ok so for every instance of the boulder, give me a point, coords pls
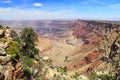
(1, 32)
(2, 51)
(6, 58)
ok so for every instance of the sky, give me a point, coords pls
(59, 9)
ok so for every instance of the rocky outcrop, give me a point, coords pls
(90, 58)
(115, 48)
(6, 64)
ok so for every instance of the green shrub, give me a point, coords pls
(76, 76)
(5, 40)
(28, 61)
(62, 70)
(93, 76)
(105, 77)
(14, 48)
(27, 74)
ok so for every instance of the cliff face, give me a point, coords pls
(100, 43)
(7, 70)
(84, 47)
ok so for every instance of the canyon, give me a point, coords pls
(83, 46)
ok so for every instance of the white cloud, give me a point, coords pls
(7, 1)
(34, 14)
(37, 4)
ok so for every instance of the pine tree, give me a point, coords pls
(29, 38)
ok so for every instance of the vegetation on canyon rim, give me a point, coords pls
(21, 47)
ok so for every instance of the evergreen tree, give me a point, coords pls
(29, 38)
